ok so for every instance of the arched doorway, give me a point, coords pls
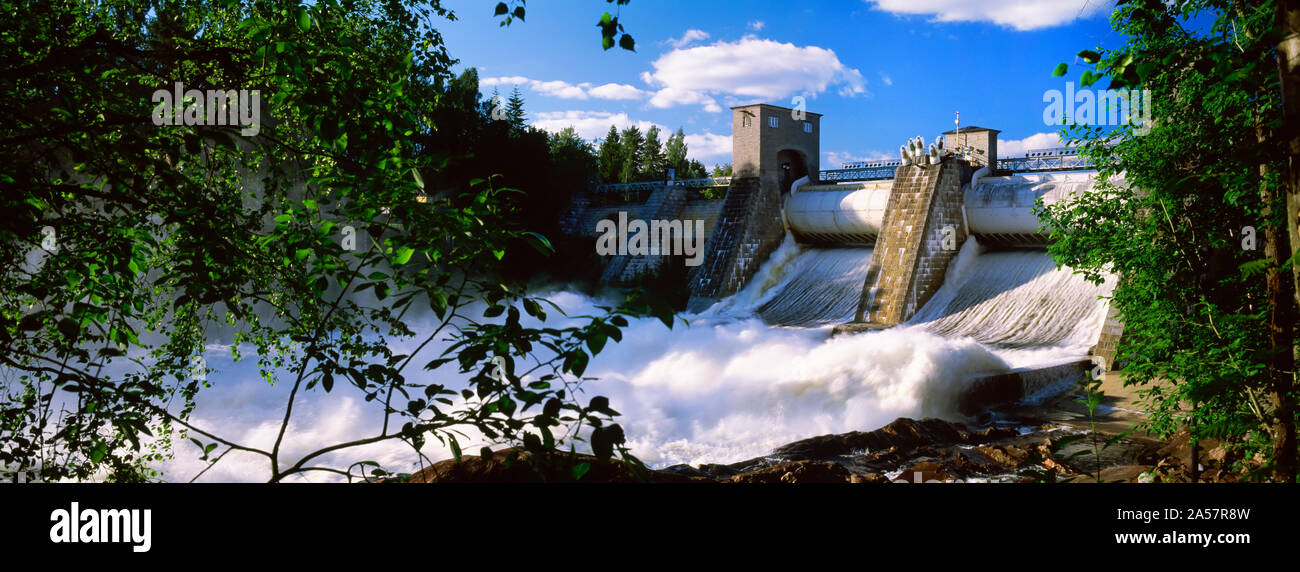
(793, 166)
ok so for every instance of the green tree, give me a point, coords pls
(632, 145)
(695, 170)
(126, 242)
(573, 155)
(515, 113)
(652, 157)
(723, 170)
(675, 153)
(1208, 318)
(610, 156)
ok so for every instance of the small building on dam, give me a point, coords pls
(910, 216)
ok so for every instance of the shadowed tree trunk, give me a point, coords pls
(1283, 430)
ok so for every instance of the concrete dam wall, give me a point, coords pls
(950, 243)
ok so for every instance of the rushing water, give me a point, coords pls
(740, 380)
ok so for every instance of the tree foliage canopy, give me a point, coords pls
(1181, 212)
(128, 245)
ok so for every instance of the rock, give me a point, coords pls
(1218, 454)
(926, 472)
(1124, 473)
(1044, 448)
(868, 478)
(717, 470)
(796, 472)
(904, 434)
(1009, 456)
(529, 468)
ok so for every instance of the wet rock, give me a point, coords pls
(796, 472)
(517, 465)
(903, 434)
(1010, 457)
(1119, 474)
(926, 472)
(868, 478)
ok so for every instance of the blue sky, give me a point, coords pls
(880, 72)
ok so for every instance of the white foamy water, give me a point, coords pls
(731, 386)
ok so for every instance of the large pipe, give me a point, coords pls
(1001, 209)
(838, 213)
(998, 209)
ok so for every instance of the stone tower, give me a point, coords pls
(984, 141)
(768, 142)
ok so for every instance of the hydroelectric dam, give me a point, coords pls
(943, 240)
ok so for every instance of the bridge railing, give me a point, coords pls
(700, 183)
(1034, 160)
(1038, 160)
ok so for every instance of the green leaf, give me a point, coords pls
(69, 328)
(1089, 57)
(455, 447)
(304, 20)
(403, 255)
(419, 181)
(501, 9)
(579, 470)
(1060, 70)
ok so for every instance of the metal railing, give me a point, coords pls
(1038, 160)
(1034, 160)
(700, 183)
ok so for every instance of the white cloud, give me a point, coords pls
(756, 25)
(561, 89)
(511, 80)
(566, 90)
(708, 147)
(590, 125)
(688, 37)
(669, 97)
(885, 79)
(1017, 14)
(1035, 141)
(749, 67)
(837, 159)
(616, 91)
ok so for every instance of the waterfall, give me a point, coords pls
(1017, 299)
(824, 287)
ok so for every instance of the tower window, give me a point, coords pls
(771, 121)
(807, 127)
(745, 120)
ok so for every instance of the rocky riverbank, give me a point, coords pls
(1050, 442)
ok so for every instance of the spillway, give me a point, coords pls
(1016, 299)
(823, 287)
(1008, 299)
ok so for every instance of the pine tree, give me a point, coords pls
(695, 170)
(652, 156)
(610, 156)
(675, 153)
(633, 148)
(515, 110)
